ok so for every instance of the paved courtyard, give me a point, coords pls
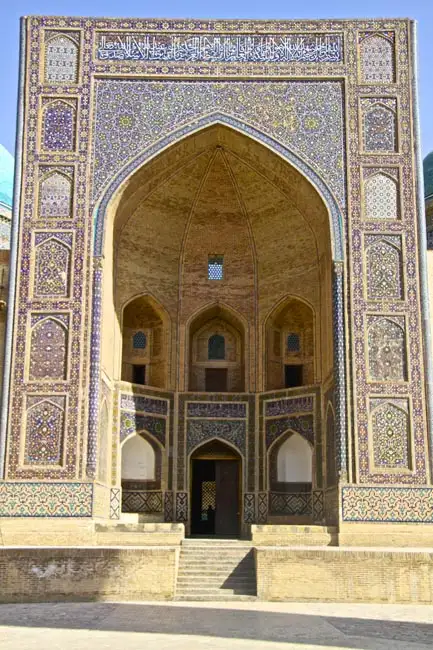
(189, 626)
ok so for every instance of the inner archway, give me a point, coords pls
(216, 347)
(219, 243)
(216, 474)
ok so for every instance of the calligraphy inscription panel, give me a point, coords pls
(224, 48)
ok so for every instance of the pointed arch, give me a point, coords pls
(379, 128)
(145, 320)
(44, 440)
(216, 322)
(294, 458)
(381, 199)
(390, 434)
(61, 59)
(138, 459)
(377, 59)
(52, 268)
(48, 350)
(295, 317)
(386, 350)
(58, 125)
(334, 211)
(384, 269)
(215, 440)
(55, 195)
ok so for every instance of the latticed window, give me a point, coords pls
(216, 347)
(293, 342)
(139, 341)
(215, 267)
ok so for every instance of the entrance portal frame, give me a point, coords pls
(55, 133)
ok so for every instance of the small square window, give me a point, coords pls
(215, 267)
(293, 342)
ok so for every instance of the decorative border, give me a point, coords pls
(387, 504)
(46, 499)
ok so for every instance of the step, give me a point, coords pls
(205, 566)
(216, 597)
(214, 571)
(222, 554)
(247, 580)
(248, 590)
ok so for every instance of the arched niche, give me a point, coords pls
(295, 460)
(216, 495)
(216, 351)
(144, 347)
(290, 345)
(138, 460)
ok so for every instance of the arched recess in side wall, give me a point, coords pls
(295, 354)
(218, 368)
(145, 342)
(127, 188)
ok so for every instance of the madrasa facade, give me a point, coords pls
(218, 303)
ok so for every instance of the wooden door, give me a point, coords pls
(216, 380)
(227, 498)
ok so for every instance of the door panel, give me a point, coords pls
(227, 498)
(216, 380)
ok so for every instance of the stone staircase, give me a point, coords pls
(212, 569)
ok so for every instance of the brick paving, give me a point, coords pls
(212, 626)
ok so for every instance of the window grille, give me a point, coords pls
(215, 267)
(293, 343)
(216, 347)
(139, 341)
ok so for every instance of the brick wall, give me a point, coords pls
(30, 574)
(339, 575)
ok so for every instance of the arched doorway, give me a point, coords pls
(234, 246)
(215, 471)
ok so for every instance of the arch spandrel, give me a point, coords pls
(124, 180)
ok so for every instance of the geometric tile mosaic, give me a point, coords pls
(262, 507)
(61, 57)
(383, 267)
(249, 508)
(377, 57)
(387, 504)
(234, 431)
(149, 109)
(216, 410)
(55, 195)
(379, 124)
(131, 423)
(115, 503)
(290, 503)
(58, 125)
(181, 506)
(48, 350)
(52, 264)
(46, 499)
(141, 501)
(301, 404)
(386, 348)
(303, 424)
(143, 403)
(44, 430)
(381, 197)
(390, 433)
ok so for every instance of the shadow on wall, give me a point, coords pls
(229, 623)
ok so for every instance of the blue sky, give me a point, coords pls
(10, 11)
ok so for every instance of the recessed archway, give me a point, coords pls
(217, 228)
(216, 476)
